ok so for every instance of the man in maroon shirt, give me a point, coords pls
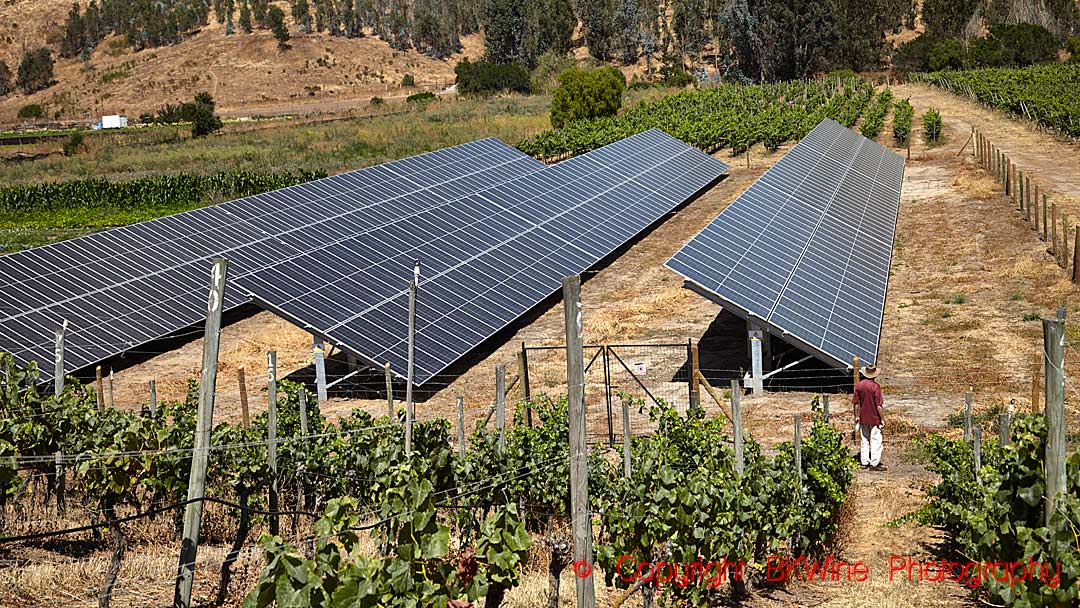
(867, 401)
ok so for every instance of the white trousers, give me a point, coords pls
(870, 448)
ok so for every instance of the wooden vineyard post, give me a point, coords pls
(413, 286)
(695, 386)
(99, 389)
(579, 467)
(825, 407)
(389, 392)
(204, 426)
(1076, 255)
(112, 377)
(61, 484)
(525, 384)
(976, 436)
(1020, 190)
(500, 405)
(798, 450)
(1054, 460)
(737, 424)
(1036, 372)
(271, 436)
(1064, 242)
(153, 397)
(318, 349)
(461, 426)
(627, 442)
(967, 414)
(1004, 424)
(58, 362)
(241, 380)
(301, 399)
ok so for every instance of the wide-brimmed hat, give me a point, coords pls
(870, 371)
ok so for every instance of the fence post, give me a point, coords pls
(389, 392)
(99, 389)
(1045, 220)
(412, 357)
(58, 363)
(755, 353)
(461, 426)
(61, 484)
(1053, 233)
(825, 406)
(1035, 211)
(153, 397)
(204, 425)
(737, 424)
(241, 380)
(695, 386)
(976, 436)
(606, 360)
(1036, 372)
(525, 383)
(967, 414)
(500, 405)
(301, 399)
(318, 348)
(1004, 424)
(1064, 242)
(1076, 255)
(798, 449)
(1020, 189)
(271, 436)
(579, 468)
(626, 437)
(1054, 461)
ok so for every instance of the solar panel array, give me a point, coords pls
(807, 248)
(121, 288)
(485, 260)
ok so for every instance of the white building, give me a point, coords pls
(114, 121)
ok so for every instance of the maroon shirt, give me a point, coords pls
(868, 397)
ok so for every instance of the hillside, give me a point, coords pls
(245, 73)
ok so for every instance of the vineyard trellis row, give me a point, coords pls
(725, 116)
(1045, 94)
(488, 503)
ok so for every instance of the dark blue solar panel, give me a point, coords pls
(487, 259)
(125, 287)
(806, 249)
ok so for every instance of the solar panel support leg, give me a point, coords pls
(99, 394)
(318, 348)
(412, 358)
(58, 370)
(500, 405)
(271, 436)
(389, 392)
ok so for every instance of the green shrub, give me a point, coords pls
(7, 79)
(203, 121)
(914, 56)
(36, 70)
(377, 101)
(73, 143)
(484, 78)
(932, 126)
(901, 126)
(1013, 46)
(408, 81)
(1073, 46)
(587, 94)
(421, 98)
(32, 110)
(545, 76)
(844, 74)
(947, 54)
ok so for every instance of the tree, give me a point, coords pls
(587, 94)
(688, 21)
(275, 18)
(743, 60)
(201, 114)
(506, 31)
(628, 30)
(598, 20)
(36, 70)
(301, 15)
(7, 79)
(947, 18)
(557, 21)
(948, 54)
(245, 17)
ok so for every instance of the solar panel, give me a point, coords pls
(486, 259)
(806, 249)
(124, 287)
